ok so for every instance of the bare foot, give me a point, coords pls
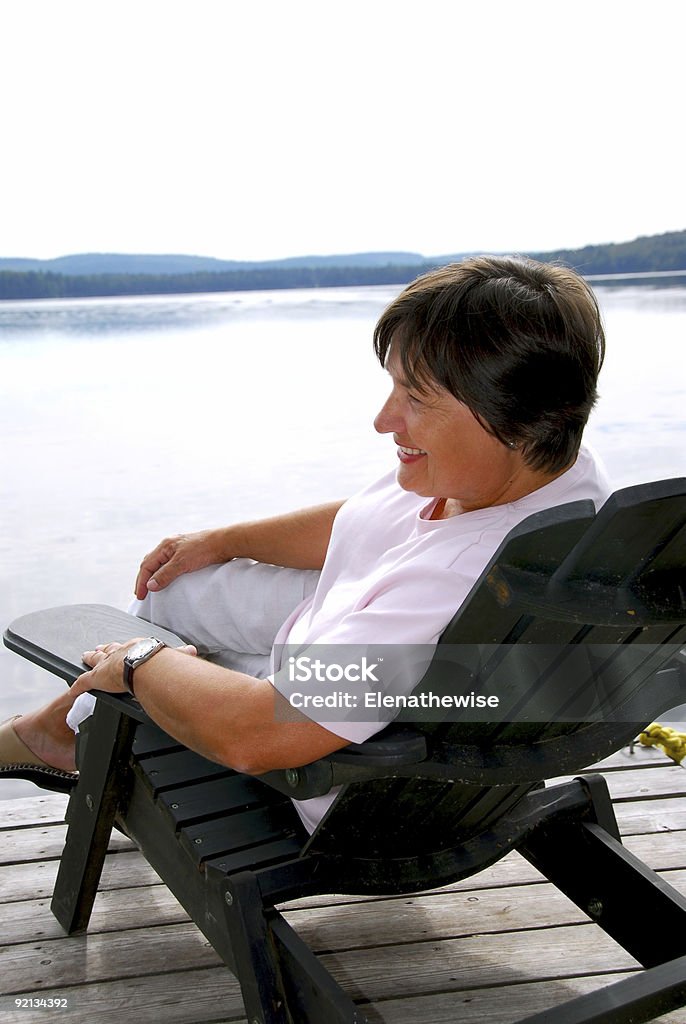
(47, 735)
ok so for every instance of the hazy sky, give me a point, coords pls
(253, 129)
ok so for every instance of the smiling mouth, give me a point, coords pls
(410, 451)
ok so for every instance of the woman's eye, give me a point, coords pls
(414, 398)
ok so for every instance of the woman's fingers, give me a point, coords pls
(175, 556)
(102, 651)
(149, 576)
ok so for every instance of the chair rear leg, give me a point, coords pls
(587, 863)
(91, 811)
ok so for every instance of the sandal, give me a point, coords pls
(18, 762)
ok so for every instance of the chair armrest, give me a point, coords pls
(55, 639)
(387, 754)
(396, 745)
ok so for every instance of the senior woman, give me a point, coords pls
(493, 365)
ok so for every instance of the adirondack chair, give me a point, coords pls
(578, 616)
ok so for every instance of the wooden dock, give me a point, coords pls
(488, 950)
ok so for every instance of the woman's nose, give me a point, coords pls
(388, 419)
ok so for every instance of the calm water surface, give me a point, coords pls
(123, 420)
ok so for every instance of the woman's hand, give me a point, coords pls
(176, 555)
(107, 667)
(298, 540)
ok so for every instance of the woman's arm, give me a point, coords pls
(224, 715)
(297, 540)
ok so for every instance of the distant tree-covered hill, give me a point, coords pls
(35, 284)
(123, 263)
(102, 274)
(643, 255)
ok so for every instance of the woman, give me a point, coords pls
(493, 364)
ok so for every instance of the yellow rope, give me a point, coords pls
(672, 742)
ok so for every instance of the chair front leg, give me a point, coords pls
(101, 790)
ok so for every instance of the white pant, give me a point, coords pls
(230, 612)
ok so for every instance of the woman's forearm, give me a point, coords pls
(226, 716)
(297, 540)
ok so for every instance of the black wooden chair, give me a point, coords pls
(577, 623)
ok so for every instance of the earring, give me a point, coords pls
(512, 444)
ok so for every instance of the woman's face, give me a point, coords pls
(444, 451)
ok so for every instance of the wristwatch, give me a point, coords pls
(136, 655)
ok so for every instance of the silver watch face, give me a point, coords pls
(142, 649)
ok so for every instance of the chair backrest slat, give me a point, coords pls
(638, 528)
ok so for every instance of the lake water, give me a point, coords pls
(124, 420)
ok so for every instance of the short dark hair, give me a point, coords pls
(519, 342)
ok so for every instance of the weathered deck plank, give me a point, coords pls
(490, 949)
(182, 997)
